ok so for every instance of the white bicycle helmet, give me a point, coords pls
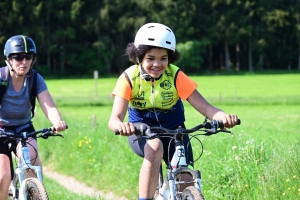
(155, 34)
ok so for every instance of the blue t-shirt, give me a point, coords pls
(16, 106)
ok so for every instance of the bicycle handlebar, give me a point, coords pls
(218, 124)
(45, 133)
(212, 127)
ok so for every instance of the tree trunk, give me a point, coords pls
(210, 58)
(250, 57)
(62, 58)
(48, 41)
(237, 50)
(261, 62)
(299, 57)
(227, 57)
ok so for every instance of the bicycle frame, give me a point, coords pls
(168, 189)
(21, 185)
(21, 173)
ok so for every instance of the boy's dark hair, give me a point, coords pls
(136, 55)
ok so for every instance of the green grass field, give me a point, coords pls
(259, 161)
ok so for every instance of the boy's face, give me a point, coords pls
(155, 62)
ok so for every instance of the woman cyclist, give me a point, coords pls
(20, 55)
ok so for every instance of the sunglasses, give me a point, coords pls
(20, 57)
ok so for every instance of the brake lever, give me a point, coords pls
(225, 131)
(43, 136)
(60, 135)
(139, 138)
(212, 131)
(48, 134)
(146, 137)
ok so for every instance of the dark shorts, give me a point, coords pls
(5, 143)
(138, 148)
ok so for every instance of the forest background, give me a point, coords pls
(76, 37)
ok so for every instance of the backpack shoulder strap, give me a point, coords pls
(32, 90)
(4, 74)
(3, 81)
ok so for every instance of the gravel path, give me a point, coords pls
(76, 187)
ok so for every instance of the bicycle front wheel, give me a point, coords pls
(191, 193)
(35, 190)
(10, 195)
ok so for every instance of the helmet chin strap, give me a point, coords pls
(10, 68)
(144, 74)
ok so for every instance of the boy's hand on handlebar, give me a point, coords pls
(230, 120)
(126, 129)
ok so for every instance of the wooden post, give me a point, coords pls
(94, 121)
(95, 82)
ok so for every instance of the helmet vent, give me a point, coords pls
(168, 42)
(168, 30)
(151, 39)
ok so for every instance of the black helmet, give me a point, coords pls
(19, 44)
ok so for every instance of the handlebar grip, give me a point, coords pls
(117, 132)
(54, 129)
(219, 124)
(137, 131)
(140, 129)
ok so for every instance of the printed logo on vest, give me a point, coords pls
(168, 98)
(166, 85)
(140, 95)
(139, 104)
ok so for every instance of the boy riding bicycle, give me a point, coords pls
(152, 91)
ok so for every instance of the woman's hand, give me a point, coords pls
(60, 126)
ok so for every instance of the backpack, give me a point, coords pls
(4, 73)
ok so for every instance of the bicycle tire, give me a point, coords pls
(156, 194)
(191, 193)
(10, 195)
(35, 190)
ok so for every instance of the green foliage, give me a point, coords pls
(86, 62)
(266, 29)
(191, 53)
